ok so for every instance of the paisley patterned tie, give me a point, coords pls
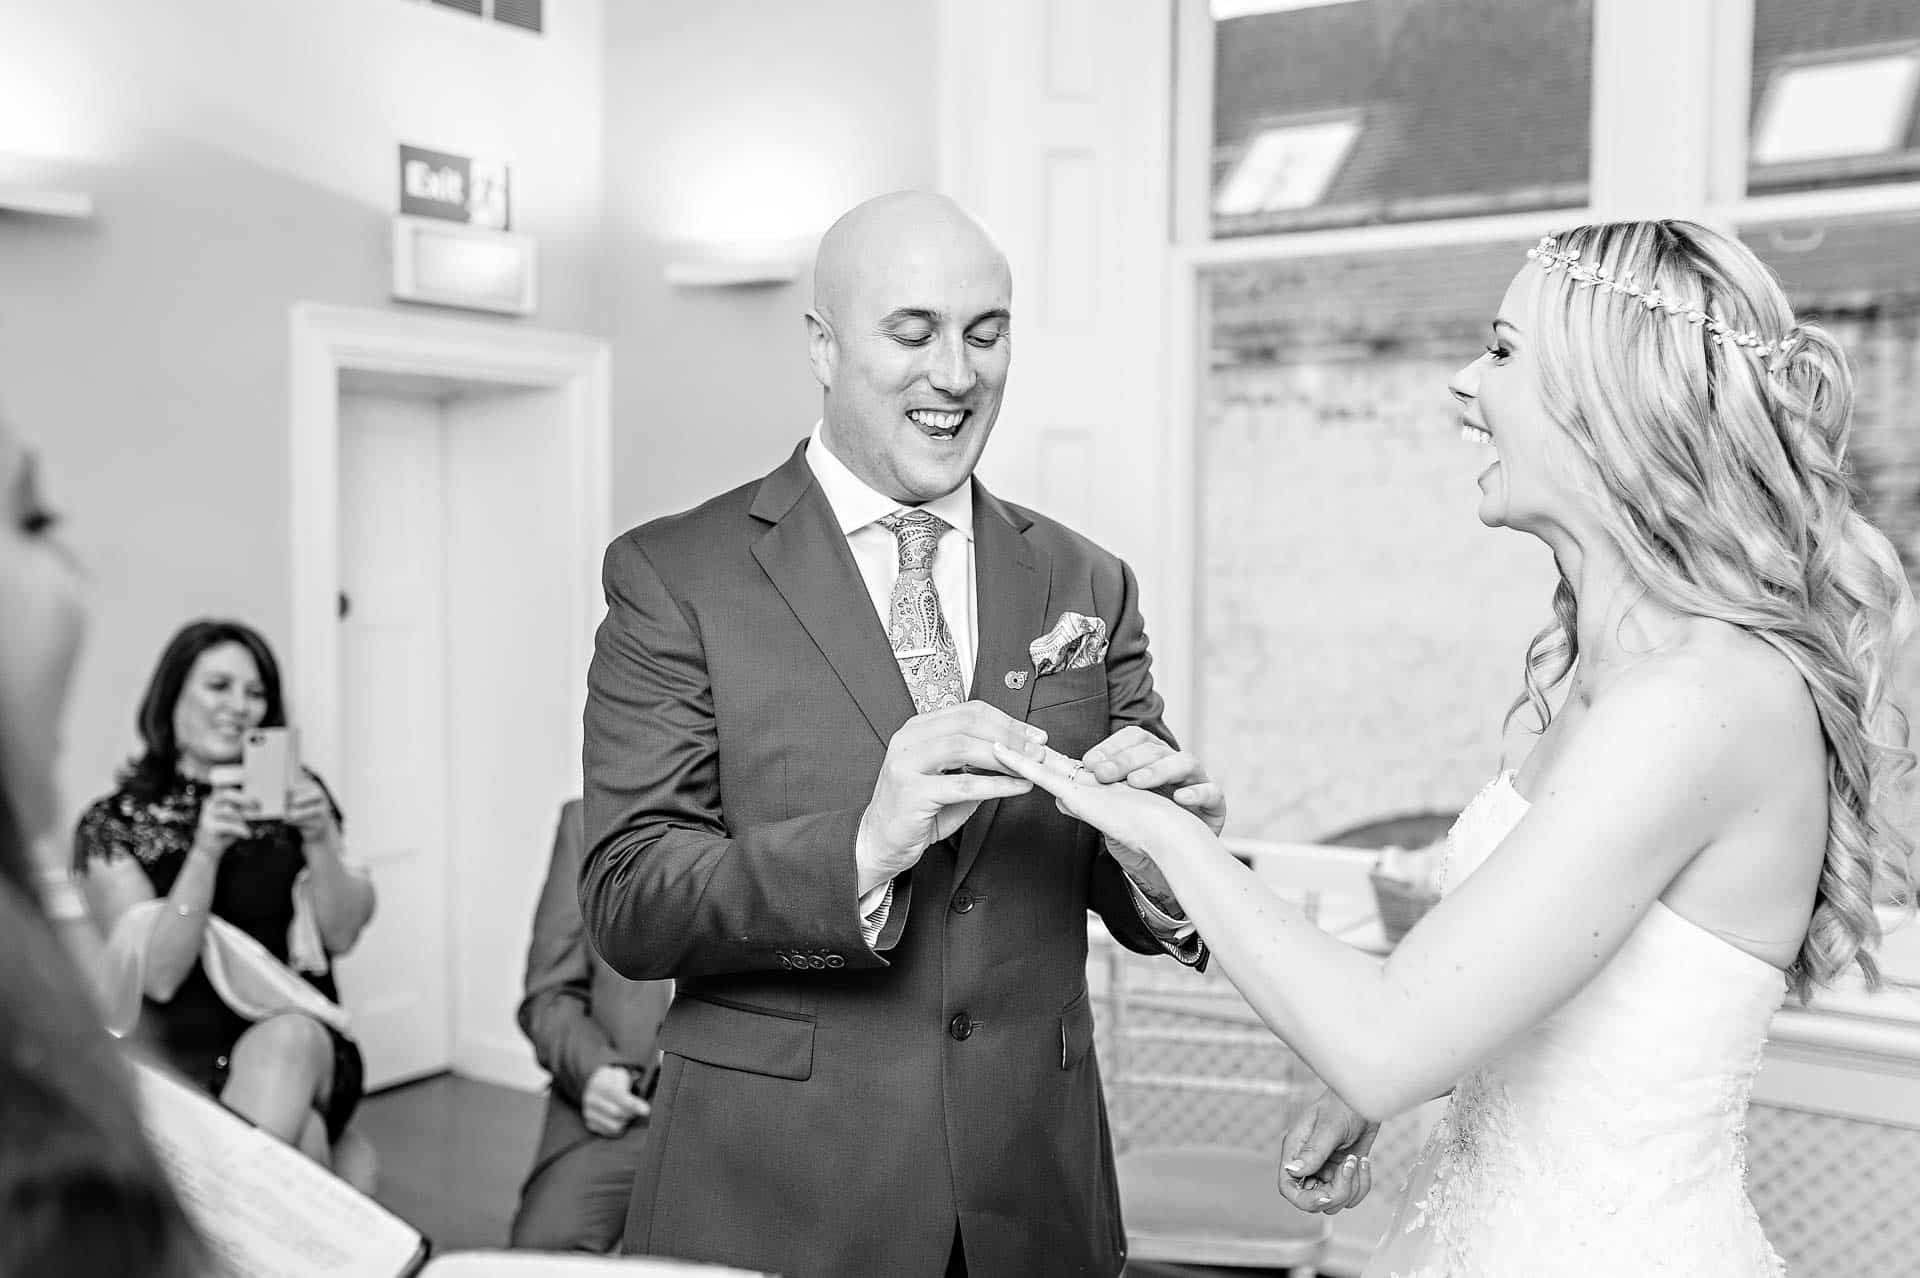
(921, 641)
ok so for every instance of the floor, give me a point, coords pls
(453, 1152)
(452, 1155)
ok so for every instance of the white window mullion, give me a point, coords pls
(1192, 156)
(1730, 74)
(1379, 238)
(1653, 109)
(1835, 202)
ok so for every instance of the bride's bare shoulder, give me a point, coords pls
(1760, 705)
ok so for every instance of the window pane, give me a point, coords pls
(1341, 112)
(1835, 91)
(1861, 279)
(1361, 634)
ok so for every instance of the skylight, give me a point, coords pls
(1831, 110)
(1287, 166)
(1224, 9)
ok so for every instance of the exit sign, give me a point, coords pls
(454, 188)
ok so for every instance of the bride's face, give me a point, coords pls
(1528, 484)
(40, 599)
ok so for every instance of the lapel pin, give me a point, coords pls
(1016, 679)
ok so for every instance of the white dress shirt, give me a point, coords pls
(857, 508)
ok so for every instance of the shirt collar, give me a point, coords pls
(855, 505)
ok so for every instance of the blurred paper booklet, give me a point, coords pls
(529, 1264)
(542, 1263)
(264, 1208)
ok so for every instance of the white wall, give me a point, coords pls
(734, 121)
(242, 157)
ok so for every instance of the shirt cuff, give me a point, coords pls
(1164, 925)
(874, 907)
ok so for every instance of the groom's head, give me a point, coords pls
(908, 337)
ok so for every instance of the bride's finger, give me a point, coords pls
(1057, 781)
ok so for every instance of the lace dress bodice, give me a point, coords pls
(1608, 1139)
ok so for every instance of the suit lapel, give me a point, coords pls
(805, 556)
(1011, 582)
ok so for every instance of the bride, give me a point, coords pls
(1701, 827)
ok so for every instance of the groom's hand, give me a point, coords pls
(1325, 1157)
(1148, 763)
(922, 795)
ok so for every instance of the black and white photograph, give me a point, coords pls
(568, 706)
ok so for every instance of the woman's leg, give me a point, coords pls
(279, 1074)
(313, 1140)
(355, 1161)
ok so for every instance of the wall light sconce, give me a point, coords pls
(741, 265)
(25, 189)
(45, 203)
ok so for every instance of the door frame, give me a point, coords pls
(329, 340)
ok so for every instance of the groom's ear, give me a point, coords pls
(820, 349)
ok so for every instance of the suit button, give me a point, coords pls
(960, 1027)
(834, 960)
(814, 960)
(785, 961)
(963, 901)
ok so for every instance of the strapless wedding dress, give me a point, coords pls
(1609, 1139)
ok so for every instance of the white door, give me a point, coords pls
(515, 682)
(393, 786)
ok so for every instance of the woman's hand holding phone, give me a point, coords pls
(311, 812)
(224, 815)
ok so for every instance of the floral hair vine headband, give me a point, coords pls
(1552, 257)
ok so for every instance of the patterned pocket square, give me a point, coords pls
(1074, 642)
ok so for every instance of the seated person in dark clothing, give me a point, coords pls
(594, 1031)
(221, 927)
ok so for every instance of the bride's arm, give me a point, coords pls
(1660, 766)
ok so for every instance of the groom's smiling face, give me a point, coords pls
(910, 339)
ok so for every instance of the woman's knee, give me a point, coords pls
(285, 1045)
(313, 1140)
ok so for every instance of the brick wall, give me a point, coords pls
(1361, 633)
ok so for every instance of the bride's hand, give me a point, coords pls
(1136, 818)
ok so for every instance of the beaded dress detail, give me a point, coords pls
(1608, 1139)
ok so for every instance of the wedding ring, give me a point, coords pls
(1073, 773)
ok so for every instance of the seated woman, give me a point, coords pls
(222, 926)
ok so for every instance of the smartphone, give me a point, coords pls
(268, 757)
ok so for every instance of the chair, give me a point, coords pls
(1409, 831)
(1199, 1095)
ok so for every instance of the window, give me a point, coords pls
(1834, 94)
(529, 15)
(1360, 111)
(1360, 632)
(1369, 177)
(1286, 166)
(1847, 107)
(1860, 277)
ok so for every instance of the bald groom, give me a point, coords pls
(880, 1056)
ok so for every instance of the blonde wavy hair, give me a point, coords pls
(1726, 468)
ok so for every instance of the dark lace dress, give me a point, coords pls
(195, 1030)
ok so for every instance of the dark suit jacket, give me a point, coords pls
(828, 1109)
(579, 1013)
